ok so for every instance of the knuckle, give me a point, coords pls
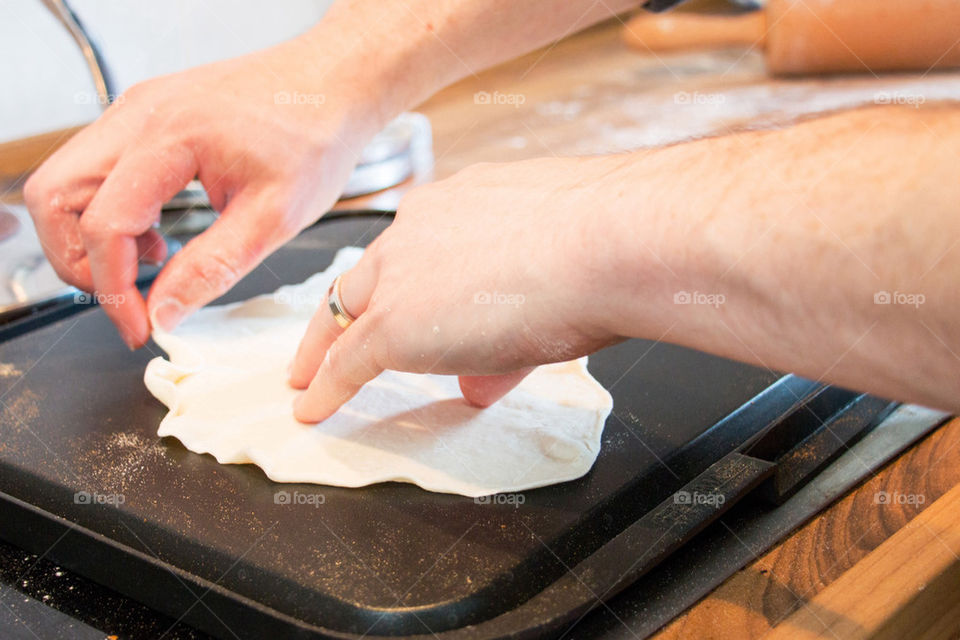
(31, 190)
(334, 360)
(374, 254)
(217, 270)
(353, 358)
(375, 320)
(170, 128)
(150, 108)
(90, 227)
(342, 365)
(137, 91)
(394, 355)
(393, 348)
(414, 200)
(37, 192)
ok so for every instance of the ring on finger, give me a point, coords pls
(335, 301)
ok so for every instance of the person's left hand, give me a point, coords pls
(485, 275)
(270, 163)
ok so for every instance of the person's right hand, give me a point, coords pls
(273, 137)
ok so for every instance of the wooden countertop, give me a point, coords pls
(859, 569)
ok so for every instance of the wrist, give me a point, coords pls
(328, 89)
(376, 60)
(667, 231)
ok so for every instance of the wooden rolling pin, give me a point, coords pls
(818, 36)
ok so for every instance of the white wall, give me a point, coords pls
(45, 85)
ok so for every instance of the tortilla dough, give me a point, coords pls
(226, 387)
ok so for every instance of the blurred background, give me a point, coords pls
(46, 82)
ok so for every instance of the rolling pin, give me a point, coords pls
(818, 36)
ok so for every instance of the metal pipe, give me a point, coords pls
(91, 53)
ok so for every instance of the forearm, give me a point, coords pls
(404, 52)
(787, 242)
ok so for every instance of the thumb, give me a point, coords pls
(210, 264)
(483, 391)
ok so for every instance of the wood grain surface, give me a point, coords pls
(905, 588)
(19, 157)
(789, 579)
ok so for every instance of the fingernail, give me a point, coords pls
(167, 315)
(131, 342)
(297, 402)
(298, 411)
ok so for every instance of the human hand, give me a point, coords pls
(483, 275)
(607, 248)
(271, 164)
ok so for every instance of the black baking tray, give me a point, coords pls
(210, 545)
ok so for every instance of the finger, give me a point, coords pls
(151, 247)
(349, 364)
(483, 391)
(57, 193)
(58, 230)
(125, 207)
(214, 261)
(356, 287)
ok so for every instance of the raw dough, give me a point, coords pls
(225, 385)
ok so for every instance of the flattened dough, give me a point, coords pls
(225, 385)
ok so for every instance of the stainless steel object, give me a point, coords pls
(388, 159)
(26, 278)
(749, 4)
(88, 48)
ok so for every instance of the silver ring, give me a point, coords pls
(340, 313)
